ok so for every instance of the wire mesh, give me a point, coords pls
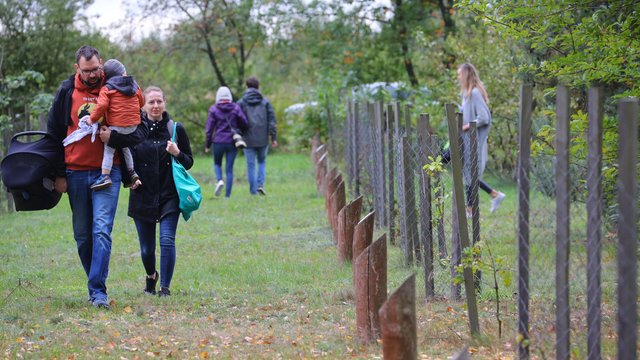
(571, 252)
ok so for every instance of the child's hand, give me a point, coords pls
(172, 148)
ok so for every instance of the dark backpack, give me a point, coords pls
(28, 171)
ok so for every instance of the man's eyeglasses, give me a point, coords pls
(91, 71)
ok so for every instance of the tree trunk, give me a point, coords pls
(403, 39)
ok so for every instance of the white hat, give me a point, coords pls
(223, 94)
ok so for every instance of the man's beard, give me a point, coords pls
(94, 84)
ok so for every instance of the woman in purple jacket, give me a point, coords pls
(225, 120)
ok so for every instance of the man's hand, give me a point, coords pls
(274, 144)
(105, 134)
(206, 149)
(60, 184)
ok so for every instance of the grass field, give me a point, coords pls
(256, 277)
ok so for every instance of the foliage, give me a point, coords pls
(574, 42)
(227, 32)
(17, 100)
(543, 149)
(43, 36)
(433, 168)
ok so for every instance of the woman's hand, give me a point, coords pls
(465, 127)
(172, 148)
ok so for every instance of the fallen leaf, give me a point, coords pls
(20, 340)
(204, 355)
(128, 309)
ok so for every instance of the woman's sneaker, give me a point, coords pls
(164, 292)
(103, 182)
(261, 191)
(219, 187)
(150, 287)
(496, 201)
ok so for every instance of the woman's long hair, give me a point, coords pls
(470, 79)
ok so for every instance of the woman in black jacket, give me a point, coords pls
(156, 201)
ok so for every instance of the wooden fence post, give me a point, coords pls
(379, 192)
(563, 189)
(594, 224)
(426, 227)
(627, 231)
(524, 164)
(362, 237)
(456, 165)
(474, 183)
(390, 168)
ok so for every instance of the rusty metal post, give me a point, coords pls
(371, 289)
(347, 218)
(398, 323)
(362, 237)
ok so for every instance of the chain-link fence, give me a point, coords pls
(547, 257)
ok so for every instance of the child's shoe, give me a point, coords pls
(103, 182)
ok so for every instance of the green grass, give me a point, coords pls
(256, 277)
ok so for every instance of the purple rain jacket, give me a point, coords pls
(218, 129)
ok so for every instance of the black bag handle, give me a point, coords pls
(29, 133)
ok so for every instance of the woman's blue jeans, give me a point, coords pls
(93, 213)
(147, 238)
(251, 153)
(219, 150)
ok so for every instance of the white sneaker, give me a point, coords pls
(496, 201)
(469, 213)
(219, 187)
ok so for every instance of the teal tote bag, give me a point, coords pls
(188, 189)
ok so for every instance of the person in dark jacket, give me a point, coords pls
(262, 125)
(157, 202)
(93, 213)
(225, 121)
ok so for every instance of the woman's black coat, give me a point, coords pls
(157, 196)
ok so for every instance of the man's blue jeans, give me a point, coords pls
(92, 216)
(251, 153)
(147, 238)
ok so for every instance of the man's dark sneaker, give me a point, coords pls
(261, 191)
(134, 177)
(164, 292)
(150, 288)
(101, 304)
(103, 182)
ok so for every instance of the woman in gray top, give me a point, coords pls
(474, 108)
